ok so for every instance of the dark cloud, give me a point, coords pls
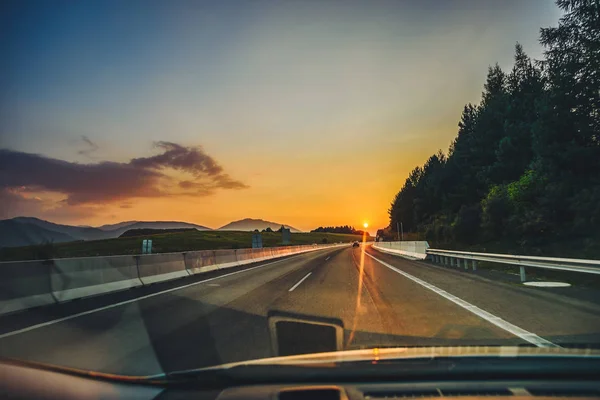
(105, 182)
(190, 159)
(91, 146)
(19, 202)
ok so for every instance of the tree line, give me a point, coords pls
(524, 167)
(339, 229)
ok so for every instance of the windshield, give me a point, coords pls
(191, 184)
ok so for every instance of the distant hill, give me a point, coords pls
(25, 231)
(249, 224)
(15, 233)
(76, 232)
(111, 227)
(156, 225)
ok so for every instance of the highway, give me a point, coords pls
(222, 317)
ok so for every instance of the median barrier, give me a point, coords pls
(260, 255)
(25, 284)
(416, 250)
(268, 253)
(154, 268)
(244, 256)
(226, 258)
(74, 278)
(198, 262)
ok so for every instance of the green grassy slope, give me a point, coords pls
(166, 243)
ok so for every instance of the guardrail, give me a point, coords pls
(456, 258)
(27, 284)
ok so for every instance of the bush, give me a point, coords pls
(466, 225)
(496, 209)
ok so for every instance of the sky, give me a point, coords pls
(309, 113)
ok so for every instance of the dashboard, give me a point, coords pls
(22, 382)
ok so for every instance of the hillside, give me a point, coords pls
(154, 225)
(250, 224)
(24, 231)
(76, 232)
(13, 233)
(170, 242)
(111, 227)
(149, 232)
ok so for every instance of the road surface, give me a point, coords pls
(222, 317)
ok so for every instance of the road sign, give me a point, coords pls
(285, 235)
(147, 246)
(256, 241)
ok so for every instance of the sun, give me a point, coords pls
(366, 225)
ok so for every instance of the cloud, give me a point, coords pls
(92, 147)
(18, 202)
(106, 182)
(189, 159)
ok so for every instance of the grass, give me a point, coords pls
(569, 247)
(165, 243)
(532, 273)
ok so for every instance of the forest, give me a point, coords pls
(338, 229)
(523, 173)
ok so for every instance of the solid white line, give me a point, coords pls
(299, 282)
(56, 321)
(327, 258)
(499, 322)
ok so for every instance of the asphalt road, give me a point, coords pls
(213, 319)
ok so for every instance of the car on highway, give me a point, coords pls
(355, 244)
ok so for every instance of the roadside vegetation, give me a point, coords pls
(166, 243)
(523, 173)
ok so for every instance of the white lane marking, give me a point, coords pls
(499, 322)
(299, 282)
(213, 284)
(327, 258)
(56, 321)
(547, 284)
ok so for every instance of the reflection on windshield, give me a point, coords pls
(197, 185)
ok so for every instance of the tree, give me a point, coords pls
(526, 159)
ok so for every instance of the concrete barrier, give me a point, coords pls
(268, 253)
(260, 255)
(226, 258)
(198, 262)
(154, 268)
(407, 249)
(25, 284)
(244, 256)
(73, 278)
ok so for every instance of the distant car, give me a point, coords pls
(355, 244)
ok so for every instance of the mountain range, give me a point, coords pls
(26, 231)
(250, 224)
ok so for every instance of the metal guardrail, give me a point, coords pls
(453, 258)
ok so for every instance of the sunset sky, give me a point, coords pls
(303, 112)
